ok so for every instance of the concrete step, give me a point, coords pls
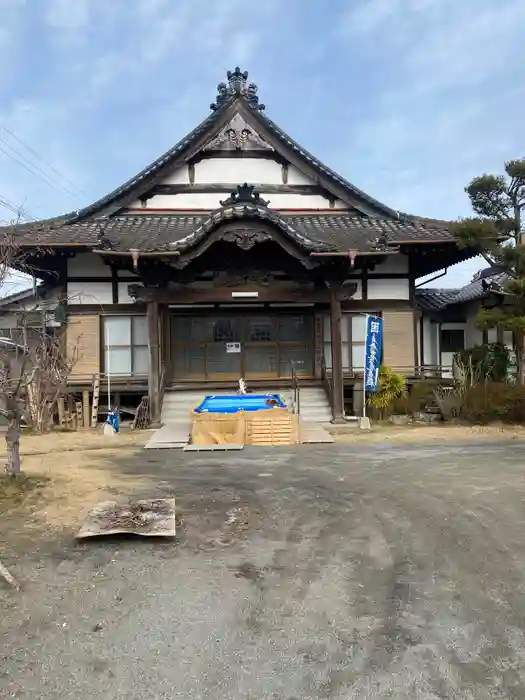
(314, 405)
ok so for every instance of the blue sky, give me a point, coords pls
(408, 99)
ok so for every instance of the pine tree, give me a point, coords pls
(497, 232)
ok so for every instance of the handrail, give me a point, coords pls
(296, 392)
(162, 386)
(327, 383)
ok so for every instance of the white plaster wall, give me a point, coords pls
(87, 265)
(239, 170)
(123, 295)
(359, 291)
(209, 201)
(296, 177)
(89, 293)
(430, 342)
(392, 264)
(8, 320)
(388, 288)
(180, 176)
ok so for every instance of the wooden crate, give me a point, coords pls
(276, 426)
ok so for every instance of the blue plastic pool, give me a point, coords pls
(238, 402)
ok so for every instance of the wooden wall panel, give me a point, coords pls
(83, 341)
(398, 340)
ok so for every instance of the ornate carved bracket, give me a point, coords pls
(245, 238)
(245, 194)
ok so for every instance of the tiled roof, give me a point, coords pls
(164, 232)
(435, 299)
(488, 280)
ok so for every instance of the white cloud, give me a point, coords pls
(449, 104)
(407, 98)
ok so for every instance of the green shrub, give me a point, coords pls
(392, 386)
(422, 394)
(402, 406)
(489, 362)
(492, 401)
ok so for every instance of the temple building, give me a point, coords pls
(237, 254)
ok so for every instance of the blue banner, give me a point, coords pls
(373, 347)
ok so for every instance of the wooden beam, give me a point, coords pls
(337, 355)
(154, 363)
(229, 295)
(262, 154)
(226, 188)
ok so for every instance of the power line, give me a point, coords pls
(43, 160)
(41, 174)
(19, 211)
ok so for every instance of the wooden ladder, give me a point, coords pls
(96, 396)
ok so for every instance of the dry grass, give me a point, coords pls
(64, 476)
(428, 433)
(31, 444)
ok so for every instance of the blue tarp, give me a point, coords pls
(239, 402)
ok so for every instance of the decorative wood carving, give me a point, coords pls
(237, 135)
(284, 173)
(191, 173)
(237, 86)
(245, 238)
(244, 194)
(241, 278)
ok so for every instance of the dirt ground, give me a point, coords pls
(382, 567)
(69, 472)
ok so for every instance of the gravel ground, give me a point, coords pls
(347, 571)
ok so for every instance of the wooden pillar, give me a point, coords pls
(154, 363)
(338, 407)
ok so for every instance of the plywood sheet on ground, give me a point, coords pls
(313, 433)
(218, 428)
(174, 434)
(147, 517)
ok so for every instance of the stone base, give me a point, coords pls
(364, 423)
(400, 419)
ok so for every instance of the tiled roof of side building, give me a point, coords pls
(484, 282)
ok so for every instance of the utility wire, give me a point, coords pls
(41, 174)
(43, 160)
(19, 211)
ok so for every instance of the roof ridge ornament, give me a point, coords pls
(244, 194)
(237, 86)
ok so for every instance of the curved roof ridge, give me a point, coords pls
(245, 211)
